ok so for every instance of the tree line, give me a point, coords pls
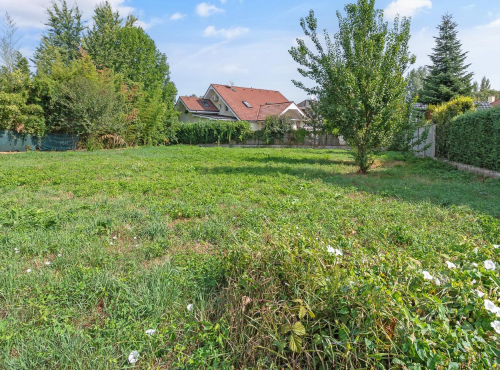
(107, 83)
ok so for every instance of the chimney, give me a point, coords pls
(491, 99)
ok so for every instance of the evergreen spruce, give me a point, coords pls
(448, 76)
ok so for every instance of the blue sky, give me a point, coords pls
(247, 41)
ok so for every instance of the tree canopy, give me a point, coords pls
(108, 83)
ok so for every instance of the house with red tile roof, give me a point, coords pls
(232, 103)
(495, 103)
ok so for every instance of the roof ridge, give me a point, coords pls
(244, 87)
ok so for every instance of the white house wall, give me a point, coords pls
(224, 110)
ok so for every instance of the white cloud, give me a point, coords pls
(223, 1)
(228, 34)
(31, 13)
(406, 8)
(469, 7)
(232, 69)
(177, 16)
(484, 50)
(206, 10)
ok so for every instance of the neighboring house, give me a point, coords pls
(232, 103)
(480, 105)
(496, 103)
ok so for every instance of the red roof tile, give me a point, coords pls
(235, 96)
(272, 110)
(495, 103)
(195, 104)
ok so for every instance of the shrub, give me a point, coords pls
(275, 128)
(473, 139)
(209, 132)
(16, 114)
(443, 116)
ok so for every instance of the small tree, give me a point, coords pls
(359, 77)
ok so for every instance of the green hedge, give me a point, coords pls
(209, 132)
(472, 138)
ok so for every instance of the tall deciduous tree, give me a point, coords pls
(359, 76)
(415, 80)
(9, 44)
(448, 76)
(101, 40)
(485, 84)
(63, 36)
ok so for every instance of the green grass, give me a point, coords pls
(242, 234)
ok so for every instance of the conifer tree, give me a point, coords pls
(448, 76)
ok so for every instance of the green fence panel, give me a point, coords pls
(11, 141)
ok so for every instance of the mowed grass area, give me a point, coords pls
(134, 236)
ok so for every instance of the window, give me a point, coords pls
(247, 104)
(205, 104)
(227, 108)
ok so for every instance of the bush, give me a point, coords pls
(17, 115)
(209, 132)
(473, 139)
(443, 116)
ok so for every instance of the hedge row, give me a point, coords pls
(209, 132)
(472, 138)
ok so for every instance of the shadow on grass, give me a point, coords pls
(412, 181)
(300, 161)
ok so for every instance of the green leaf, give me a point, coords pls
(295, 343)
(299, 329)
(302, 312)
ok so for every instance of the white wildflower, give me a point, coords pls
(47, 263)
(16, 251)
(135, 237)
(489, 265)
(473, 282)
(114, 237)
(59, 255)
(496, 246)
(496, 326)
(133, 357)
(451, 265)
(28, 271)
(475, 250)
(111, 243)
(479, 293)
(150, 332)
(335, 252)
(475, 265)
(437, 281)
(190, 307)
(427, 276)
(490, 306)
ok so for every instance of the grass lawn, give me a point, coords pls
(118, 242)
